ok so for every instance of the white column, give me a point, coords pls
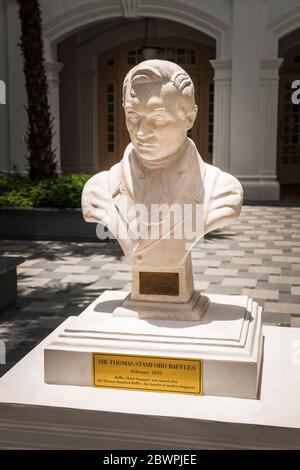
(267, 150)
(246, 55)
(222, 96)
(249, 137)
(52, 71)
(86, 119)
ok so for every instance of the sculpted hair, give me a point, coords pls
(153, 71)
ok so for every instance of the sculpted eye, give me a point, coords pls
(132, 116)
(159, 117)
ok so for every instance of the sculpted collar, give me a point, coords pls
(132, 168)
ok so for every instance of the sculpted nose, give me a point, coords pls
(144, 129)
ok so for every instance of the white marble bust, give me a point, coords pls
(161, 165)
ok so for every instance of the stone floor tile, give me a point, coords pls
(206, 263)
(122, 276)
(284, 280)
(265, 269)
(239, 282)
(282, 308)
(49, 307)
(201, 285)
(286, 259)
(247, 261)
(116, 267)
(33, 282)
(72, 269)
(220, 272)
(251, 245)
(261, 294)
(230, 253)
(295, 290)
(80, 279)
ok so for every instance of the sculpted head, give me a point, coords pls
(159, 104)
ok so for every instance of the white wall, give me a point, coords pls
(276, 8)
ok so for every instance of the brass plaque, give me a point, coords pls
(148, 373)
(152, 283)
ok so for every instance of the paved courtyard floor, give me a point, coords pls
(258, 256)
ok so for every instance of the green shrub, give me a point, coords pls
(13, 181)
(62, 191)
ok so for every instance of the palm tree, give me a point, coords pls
(39, 134)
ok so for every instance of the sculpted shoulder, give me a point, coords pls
(225, 198)
(96, 198)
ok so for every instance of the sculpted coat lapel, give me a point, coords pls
(111, 197)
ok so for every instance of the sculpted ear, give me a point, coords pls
(191, 117)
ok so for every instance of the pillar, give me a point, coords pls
(222, 79)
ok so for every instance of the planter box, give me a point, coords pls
(8, 280)
(45, 224)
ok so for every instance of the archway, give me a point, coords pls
(93, 132)
(75, 19)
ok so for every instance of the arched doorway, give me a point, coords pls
(288, 148)
(115, 63)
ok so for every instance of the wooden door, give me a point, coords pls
(113, 67)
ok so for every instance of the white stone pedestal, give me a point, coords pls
(228, 340)
(35, 415)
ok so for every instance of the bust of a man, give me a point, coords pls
(161, 166)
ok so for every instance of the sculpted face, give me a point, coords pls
(156, 120)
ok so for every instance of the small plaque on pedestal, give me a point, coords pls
(148, 373)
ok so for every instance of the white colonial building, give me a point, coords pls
(243, 56)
